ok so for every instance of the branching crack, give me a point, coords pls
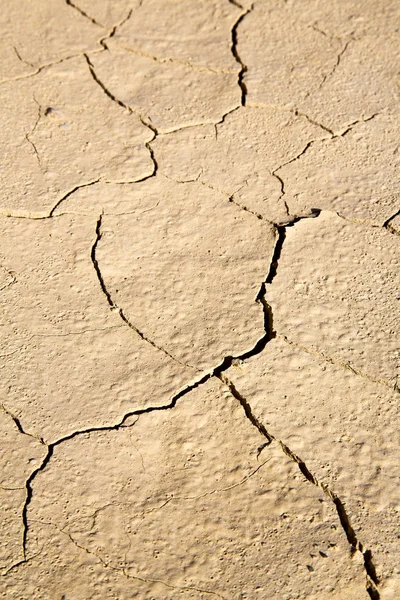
(355, 544)
(235, 53)
(43, 67)
(219, 372)
(308, 145)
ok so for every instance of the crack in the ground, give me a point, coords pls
(69, 193)
(40, 68)
(19, 426)
(237, 4)
(103, 87)
(145, 121)
(235, 53)
(46, 66)
(25, 62)
(354, 542)
(113, 30)
(351, 126)
(218, 371)
(114, 307)
(299, 113)
(295, 111)
(281, 181)
(83, 13)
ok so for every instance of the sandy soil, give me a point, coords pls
(199, 277)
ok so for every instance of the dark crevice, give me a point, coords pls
(388, 221)
(370, 567)
(223, 118)
(246, 407)
(277, 254)
(151, 152)
(345, 523)
(373, 592)
(235, 53)
(28, 499)
(83, 13)
(314, 213)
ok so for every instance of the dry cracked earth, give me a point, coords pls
(199, 277)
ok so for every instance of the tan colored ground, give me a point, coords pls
(199, 276)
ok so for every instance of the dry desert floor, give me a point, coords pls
(199, 277)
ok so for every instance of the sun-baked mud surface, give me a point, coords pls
(200, 289)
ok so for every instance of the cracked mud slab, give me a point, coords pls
(185, 487)
(199, 288)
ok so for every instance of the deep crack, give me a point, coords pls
(235, 53)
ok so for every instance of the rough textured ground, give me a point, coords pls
(199, 277)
